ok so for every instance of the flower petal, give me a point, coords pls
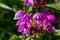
(26, 3)
(46, 23)
(40, 29)
(50, 29)
(52, 18)
(37, 16)
(31, 2)
(19, 14)
(26, 18)
(39, 1)
(21, 27)
(18, 22)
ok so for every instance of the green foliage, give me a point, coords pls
(54, 5)
(57, 34)
(14, 37)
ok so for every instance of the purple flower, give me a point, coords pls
(37, 16)
(52, 18)
(19, 14)
(43, 21)
(40, 2)
(28, 32)
(21, 27)
(46, 23)
(39, 20)
(18, 22)
(26, 18)
(50, 29)
(25, 32)
(33, 3)
(49, 15)
(46, 12)
(29, 23)
(28, 2)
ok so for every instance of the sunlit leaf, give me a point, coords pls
(14, 37)
(56, 0)
(22, 36)
(21, 0)
(32, 39)
(54, 5)
(57, 32)
(37, 35)
(30, 9)
(28, 38)
(7, 7)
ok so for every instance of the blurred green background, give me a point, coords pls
(8, 29)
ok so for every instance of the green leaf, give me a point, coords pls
(32, 39)
(56, 0)
(30, 9)
(54, 5)
(14, 37)
(22, 36)
(7, 7)
(28, 38)
(57, 32)
(21, 0)
(37, 35)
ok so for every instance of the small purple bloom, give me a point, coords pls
(52, 18)
(43, 21)
(37, 16)
(39, 28)
(46, 12)
(26, 3)
(26, 18)
(21, 27)
(31, 2)
(39, 2)
(18, 22)
(19, 14)
(49, 15)
(46, 23)
(25, 31)
(50, 29)
(29, 25)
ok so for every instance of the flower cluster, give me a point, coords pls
(29, 23)
(33, 3)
